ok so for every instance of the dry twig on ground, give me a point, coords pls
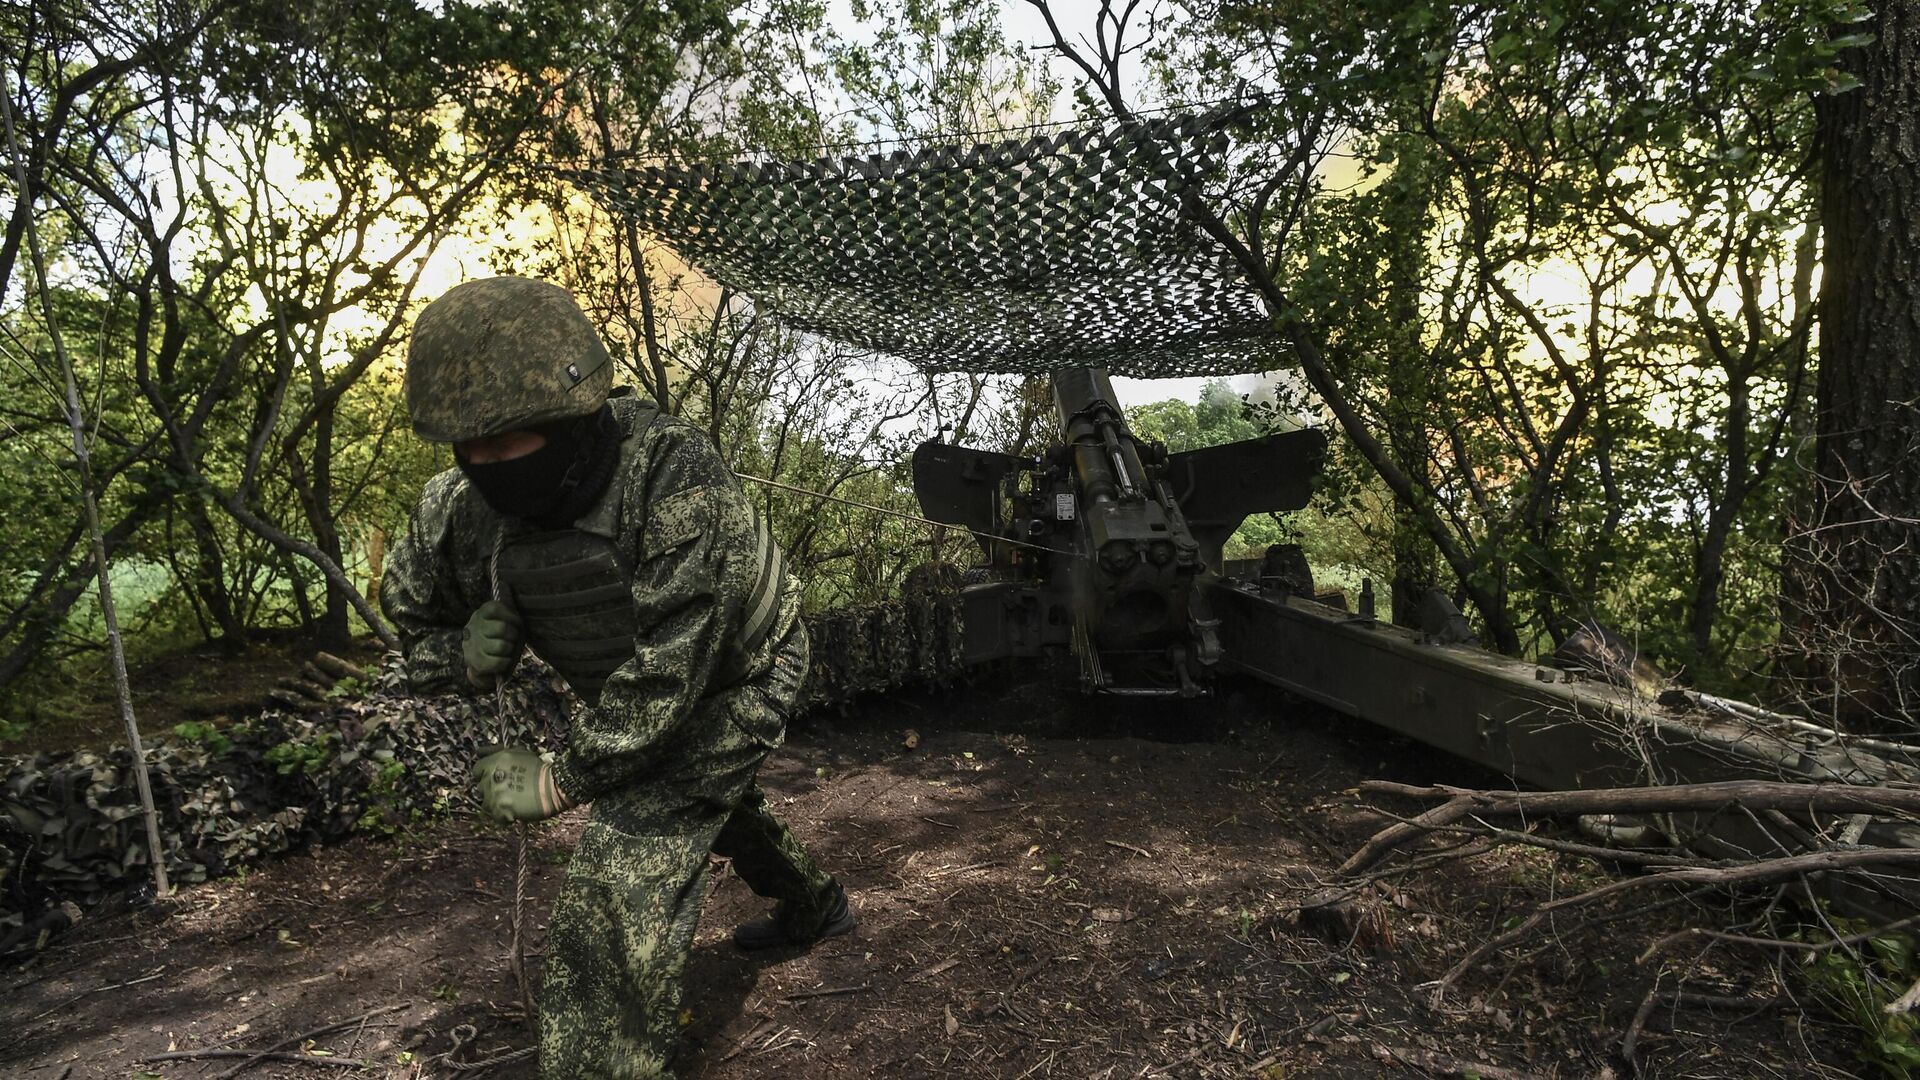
(273, 1053)
(1765, 870)
(1466, 813)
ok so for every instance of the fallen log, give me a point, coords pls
(316, 676)
(290, 700)
(338, 668)
(310, 690)
(1753, 794)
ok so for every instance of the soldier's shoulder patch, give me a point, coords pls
(678, 519)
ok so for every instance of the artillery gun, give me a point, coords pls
(1101, 544)
(1074, 255)
(1113, 548)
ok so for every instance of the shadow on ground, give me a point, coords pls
(1048, 886)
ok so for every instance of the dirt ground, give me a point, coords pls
(1048, 886)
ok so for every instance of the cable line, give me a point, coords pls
(990, 537)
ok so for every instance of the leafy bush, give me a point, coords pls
(1857, 986)
(307, 757)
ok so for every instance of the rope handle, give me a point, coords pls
(517, 948)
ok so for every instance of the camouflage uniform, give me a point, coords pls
(673, 729)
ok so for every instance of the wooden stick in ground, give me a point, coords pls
(1754, 794)
(1640, 1015)
(835, 991)
(90, 508)
(1758, 794)
(1791, 866)
(1440, 1065)
(77, 998)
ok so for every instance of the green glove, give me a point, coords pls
(515, 785)
(491, 643)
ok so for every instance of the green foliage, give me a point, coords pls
(386, 780)
(1557, 261)
(228, 335)
(346, 688)
(1218, 418)
(201, 733)
(936, 66)
(1558, 258)
(382, 790)
(1857, 986)
(305, 756)
(241, 352)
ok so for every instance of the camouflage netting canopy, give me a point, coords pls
(1020, 256)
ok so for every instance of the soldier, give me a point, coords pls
(613, 541)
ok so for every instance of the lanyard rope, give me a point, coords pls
(517, 954)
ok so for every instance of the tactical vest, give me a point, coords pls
(573, 587)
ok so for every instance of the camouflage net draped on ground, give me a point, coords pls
(881, 646)
(1017, 256)
(233, 796)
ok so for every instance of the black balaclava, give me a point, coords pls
(558, 482)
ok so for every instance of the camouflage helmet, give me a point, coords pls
(501, 354)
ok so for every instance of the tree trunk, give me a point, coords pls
(36, 629)
(1415, 569)
(313, 482)
(1710, 561)
(294, 545)
(1858, 621)
(1410, 378)
(335, 630)
(210, 578)
(376, 562)
(301, 604)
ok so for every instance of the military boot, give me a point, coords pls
(774, 931)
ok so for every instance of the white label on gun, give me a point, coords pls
(1063, 506)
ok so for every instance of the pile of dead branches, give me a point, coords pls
(1816, 892)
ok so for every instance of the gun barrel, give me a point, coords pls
(1132, 588)
(1106, 458)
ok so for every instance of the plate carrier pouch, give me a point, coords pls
(574, 589)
